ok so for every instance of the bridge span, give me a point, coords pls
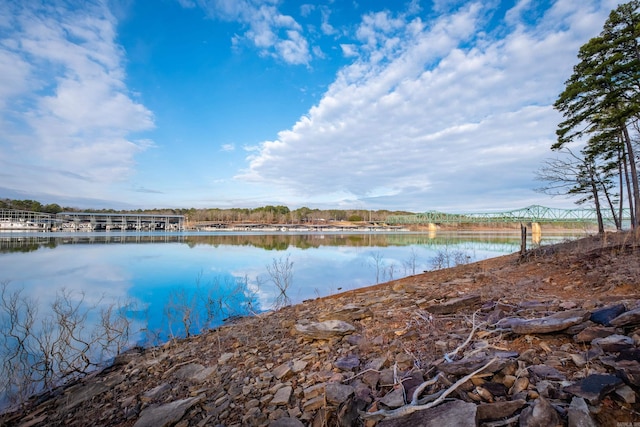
(533, 214)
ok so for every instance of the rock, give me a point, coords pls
(604, 315)
(554, 323)
(347, 363)
(468, 365)
(314, 391)
(325, 330)
(225, 357)
(338, 393)
(540, 414)
(520, 385)
(547, 372)
(629, 318)
(81, 393)
(578, 414)
(165, 415)
(498, 410)
(594, 387)
(468, 302)
(627, 394)
(592, 332)
(282, 396)
(394, 399)
(629, 371)
(193, 372)
(287, 422)
(149, 395)
(614, 343)
(313, 404)
(283, 371)
(348, 313)
(455, 413)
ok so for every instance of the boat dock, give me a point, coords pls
(18, 220)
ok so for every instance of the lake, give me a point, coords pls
(151, 271)
(69, 302)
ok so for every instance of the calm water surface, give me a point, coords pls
(154, 275)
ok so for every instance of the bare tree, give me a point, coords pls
(281, 273)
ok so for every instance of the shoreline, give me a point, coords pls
(276, 369)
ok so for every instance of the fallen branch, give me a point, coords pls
(411, 408)
(448, 356)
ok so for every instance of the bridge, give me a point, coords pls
(534, 214)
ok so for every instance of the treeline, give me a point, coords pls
(265, 214)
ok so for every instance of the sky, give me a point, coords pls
(334, 104)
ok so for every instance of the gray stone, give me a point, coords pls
(629, 318)
(394, 399)
(627, 394)
(81, 393)
(468, 365)
(540, 414)
(348, 313)
(165, 415)
(282, 396)
(194, 372)
(614, 343)
(468, 302)
(283, 371)
(287, 422)
(547, 372)
(455, 413)
(578, 414)
(629, 370)
(337, 393)
(149, 395)
(498, 410)
(554, 323)
(347, 363)
(325, 330)
(592, 332)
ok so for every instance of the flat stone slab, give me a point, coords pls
(165, 415)
(629, 318)
(325, 330)
(455, 413)
(614, 343)
(554, 323)
(594, 387)
(499, 410)
(453, 305)
(282, 396)
(605, 315)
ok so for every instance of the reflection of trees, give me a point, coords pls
(276, 241)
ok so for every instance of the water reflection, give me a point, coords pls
(501, 242)
(152, 269)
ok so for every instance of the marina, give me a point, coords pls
(21, 221)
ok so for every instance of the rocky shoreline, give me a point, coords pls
(551, 338)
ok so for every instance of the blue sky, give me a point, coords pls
(414, 105)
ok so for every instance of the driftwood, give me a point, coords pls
(414, 406)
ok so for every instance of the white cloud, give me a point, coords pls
(227, 147)
(272, 32)
(432, 111)
(64, 106)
